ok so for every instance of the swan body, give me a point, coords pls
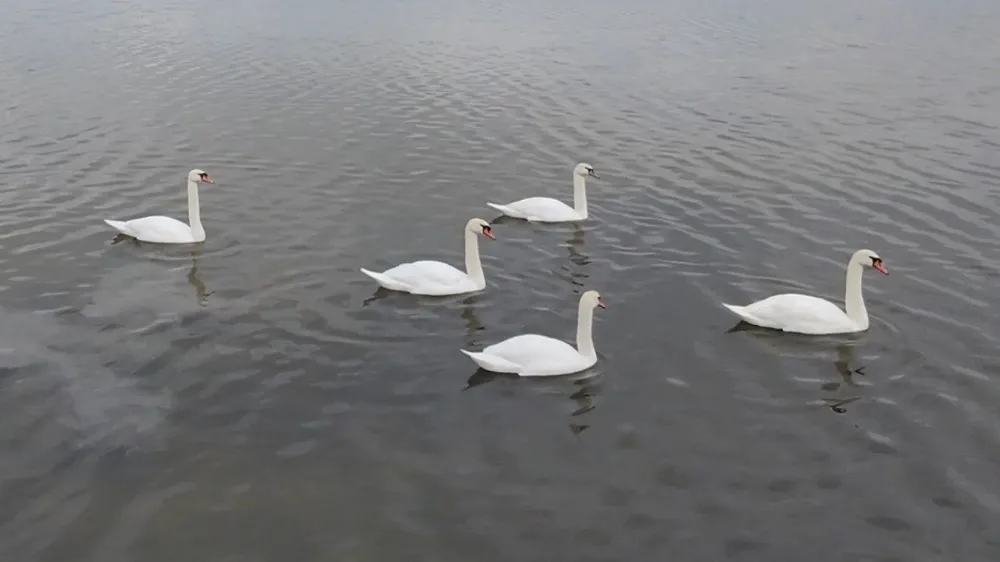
(532, 355)
(166, 230)
(546, 209)
(434, 278)
(804, 314)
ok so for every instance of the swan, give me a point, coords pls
(804, 314)
(546, 209)
(165, 230)
(434, 278)
(531, 355)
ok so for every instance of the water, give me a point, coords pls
(240, 401)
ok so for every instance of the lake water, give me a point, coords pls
(247, 400)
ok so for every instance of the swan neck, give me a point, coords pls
(580, 195)
(194, 212)
(854, 301)
(473, 265)
(585, 331)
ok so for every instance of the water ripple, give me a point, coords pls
(744, 151)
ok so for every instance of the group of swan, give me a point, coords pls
(532, 354)
(434, 278)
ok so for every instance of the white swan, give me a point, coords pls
(165, 230)
(803, 314)
(546, 209)
(435, 278)
(531, 355)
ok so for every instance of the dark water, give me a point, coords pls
(237, 402)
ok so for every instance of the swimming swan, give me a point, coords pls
(165, 230)
(803, 314)
(435, 278)
(531, 355)
(546, 209)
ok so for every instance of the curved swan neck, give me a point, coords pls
(585, 330)
(580, 195)
(473, 265)
(854, 301)
(194, 212)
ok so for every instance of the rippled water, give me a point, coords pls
(247, 399)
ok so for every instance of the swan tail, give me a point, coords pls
(737, 310)
(120, 226)
(492, 362)
(747, 316)
(741, 311)
(506, 210)
(385, 281)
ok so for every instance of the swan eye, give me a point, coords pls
(876, 261)
(487, 230)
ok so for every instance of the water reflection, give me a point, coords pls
(149, 292)
(119, 238)
(801, 346)
(579, 260)
(379, 294)
(840, 349)
(201, 290)
(584, 390)
(59, 375)
(70, 409)
(574, 244)
(844, 365)
(586, 396)
(586, 399)
(473, 325)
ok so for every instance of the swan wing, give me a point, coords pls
(429, 277)
(543, 209)
(804, 314)
(530, 350)
(159, 229)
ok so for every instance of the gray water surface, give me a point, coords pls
(248, 400)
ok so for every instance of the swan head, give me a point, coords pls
(592, 299)
(868, 258)
(584, 169)
(199, 176)
(479, 226)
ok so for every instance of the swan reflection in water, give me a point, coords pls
(585, 389)
(843, 346)
(580, 261)
(845, 358)
(473, 325)
(149, 292)
(574, 244)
